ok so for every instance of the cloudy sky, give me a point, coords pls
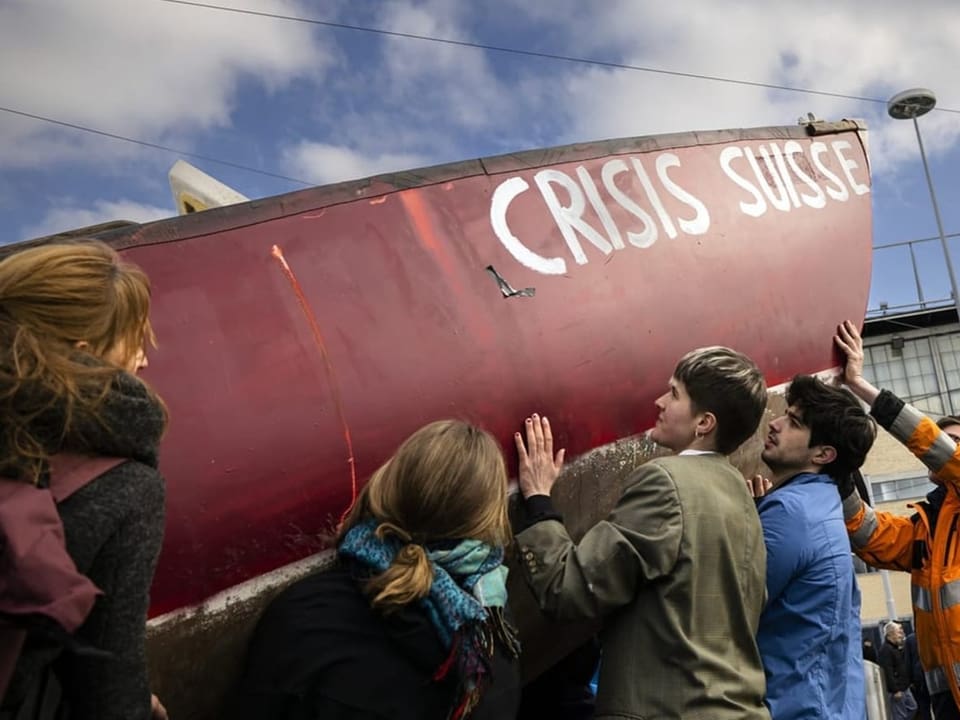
(321, 104)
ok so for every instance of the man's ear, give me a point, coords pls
(824, 455)
(706, 423)
(82, 345)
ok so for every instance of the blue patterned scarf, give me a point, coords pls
(465, 603)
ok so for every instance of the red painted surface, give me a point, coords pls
(311, 319)
(286, 385)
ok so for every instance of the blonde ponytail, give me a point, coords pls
(408, 578)
(447, 481)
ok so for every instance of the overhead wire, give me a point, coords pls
(424, 38)
(153, 145)
(533, 53)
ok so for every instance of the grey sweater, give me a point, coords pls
(113, 528)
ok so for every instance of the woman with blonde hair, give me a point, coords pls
(74, 325)
(409, 623)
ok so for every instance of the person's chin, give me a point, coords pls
(663, 441)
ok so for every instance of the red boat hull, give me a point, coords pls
(275, 418)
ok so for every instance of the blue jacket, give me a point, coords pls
(809, 636)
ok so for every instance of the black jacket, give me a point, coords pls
(321, 652)
(896, 667)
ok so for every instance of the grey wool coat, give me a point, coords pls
(677, 575)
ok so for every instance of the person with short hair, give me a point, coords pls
(74, 328)
(924, 544)
(676, 571)
(895, 664)
(410, 622)
(809, 636)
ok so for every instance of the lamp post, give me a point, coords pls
(909, 105)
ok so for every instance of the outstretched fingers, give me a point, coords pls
(758, 486)
(521, 445)
(538, 432)
(547, 436)
(848, 339)
(539, 466)
(531, 427)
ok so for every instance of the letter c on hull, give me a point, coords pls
(502, 197)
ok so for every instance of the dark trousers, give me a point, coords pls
(944, 707)
(923, 702)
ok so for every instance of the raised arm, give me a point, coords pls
(909, 425)
(638, 542)
(849, 341)
(882, 539)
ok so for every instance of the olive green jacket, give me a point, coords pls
(677, 573)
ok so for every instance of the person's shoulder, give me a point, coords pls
(317, 598)
(708, 460)
(143, 476)
(128, 490)
(814, 497)
(686, 469)
(657, 473)
(788, 503)
(131, 483)
(315, 602)
(675, 466)
(331, 585)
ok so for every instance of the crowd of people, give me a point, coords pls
(716, 596)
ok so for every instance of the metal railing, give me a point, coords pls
(919, 301)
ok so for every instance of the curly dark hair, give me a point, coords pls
(835, 418)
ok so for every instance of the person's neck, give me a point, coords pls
(701, 444)
(779, 476)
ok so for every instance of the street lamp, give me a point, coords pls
(909, 105)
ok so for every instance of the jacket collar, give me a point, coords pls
(805, 478)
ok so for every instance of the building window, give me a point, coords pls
(911, 373)
(948, 347)
(908, 488)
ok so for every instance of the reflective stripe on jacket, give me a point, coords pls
(926, 544)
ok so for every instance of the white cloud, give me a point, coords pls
(322, 163)
(409, 100)
(144, 69)
(447, 80)
(163, 71)
(428, 100)
(856, 48)
(66, 215)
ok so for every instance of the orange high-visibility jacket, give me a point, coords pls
(925, 545)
